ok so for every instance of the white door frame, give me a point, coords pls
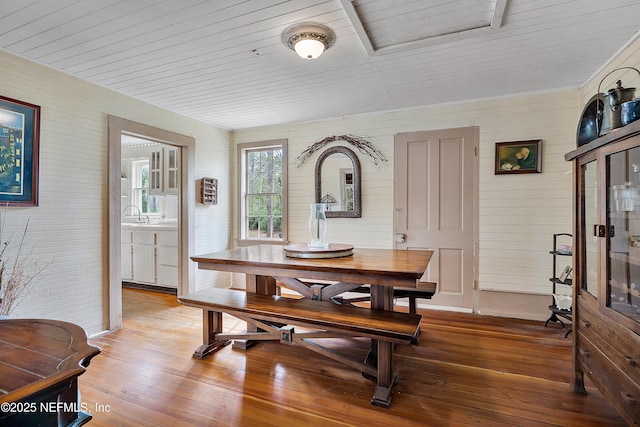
(186, 231)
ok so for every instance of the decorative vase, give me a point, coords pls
(318, 225)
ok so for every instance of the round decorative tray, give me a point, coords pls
(302, 250)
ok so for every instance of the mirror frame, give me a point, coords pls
(357, 205)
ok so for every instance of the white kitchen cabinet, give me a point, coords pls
(171, 170)
(144, 257)
(126, 255)
(164, 171)
(150, 256)
(167, 259)
(155, 172)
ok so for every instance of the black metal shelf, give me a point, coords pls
(561, 253)
(568, 282)
(557, 314)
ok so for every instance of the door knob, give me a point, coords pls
(401, 237)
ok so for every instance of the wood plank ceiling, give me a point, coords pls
(224, 62)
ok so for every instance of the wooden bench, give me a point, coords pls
(426, 290)
(273, 318)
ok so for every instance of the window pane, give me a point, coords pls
(253, 183)
(264, 227)
(265, 161)
(277, 227)
(263, 193)
(144, 200)
(253, 206)
(153, 204)
(277, 182)
(276, 205)
(252, 227)
(144, 176)
(253, 160)
(277, 160)
(267, 182)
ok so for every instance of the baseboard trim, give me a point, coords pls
(144, 287)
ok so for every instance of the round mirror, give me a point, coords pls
(338, 183)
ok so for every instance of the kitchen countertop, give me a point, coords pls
(150, 226)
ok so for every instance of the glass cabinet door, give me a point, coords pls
(590, 189)
(623, 234)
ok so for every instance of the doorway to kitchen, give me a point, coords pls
(149, 172)
(150, 200)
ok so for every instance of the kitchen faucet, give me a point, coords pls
(139, 213)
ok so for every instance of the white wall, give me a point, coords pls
(629, 57)
(517, 214)
(68, 230)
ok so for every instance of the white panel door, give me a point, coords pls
(435, 204)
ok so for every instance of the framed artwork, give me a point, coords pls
(19, 151)
(518, 157)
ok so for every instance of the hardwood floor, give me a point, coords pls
(467, 370)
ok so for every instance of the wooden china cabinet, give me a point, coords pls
(606, 302)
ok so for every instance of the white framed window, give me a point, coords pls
(148, 203)
(262, 170)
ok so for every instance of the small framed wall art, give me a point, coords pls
(518, 157)
(19, 152)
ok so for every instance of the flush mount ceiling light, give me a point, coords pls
(309, 40)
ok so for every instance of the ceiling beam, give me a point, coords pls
(347, 5)
(498, 14)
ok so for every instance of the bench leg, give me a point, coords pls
(386, 378)
(261, 285)
(413, 305)
(413, 309)
(211, 325)
(243, 344)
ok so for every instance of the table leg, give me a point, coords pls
(381, 299)
(381, 351)
(386, 378)
(211, 324)
(266, 285)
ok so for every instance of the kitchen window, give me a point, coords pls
(148, 204)
(263, 182)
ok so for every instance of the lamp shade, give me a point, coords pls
(309, 48)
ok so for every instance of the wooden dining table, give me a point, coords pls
(267, 266)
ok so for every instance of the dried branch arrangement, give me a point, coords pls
(364, 146)
(17, 273)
